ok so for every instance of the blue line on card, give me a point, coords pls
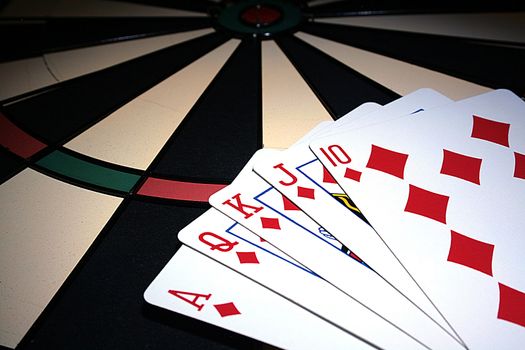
(257, 198)
(229, 230)
(263, 192)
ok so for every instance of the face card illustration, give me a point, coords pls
(196, 286)
(246, 200)
(446, 192)
(211, 234)
(281, 205)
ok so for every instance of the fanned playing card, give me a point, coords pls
(196, 286)
(251, 202)
(302, 179)
(446, 192)
(232, 245)
(396, 226)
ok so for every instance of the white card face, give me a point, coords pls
(446, 192)
(225, 241)
(196, 286)
(414, 102)
(351, 118)
(260, 208)
(297, 170)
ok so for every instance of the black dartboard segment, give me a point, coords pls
(382, 7)
(224, 128)
(337, 86)
(104, 296)
(11, 164)
(37, 36)
(202, 6)
(487, 63)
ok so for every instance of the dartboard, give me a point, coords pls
(119, 119)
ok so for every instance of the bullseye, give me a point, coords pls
(261, 15)
(262, 19)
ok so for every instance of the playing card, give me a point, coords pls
(298, 174)
(350, 118)
(445, 191)
(246, 201)
(196, 286)
(309, 166)
(366, 115)
(222, 239)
